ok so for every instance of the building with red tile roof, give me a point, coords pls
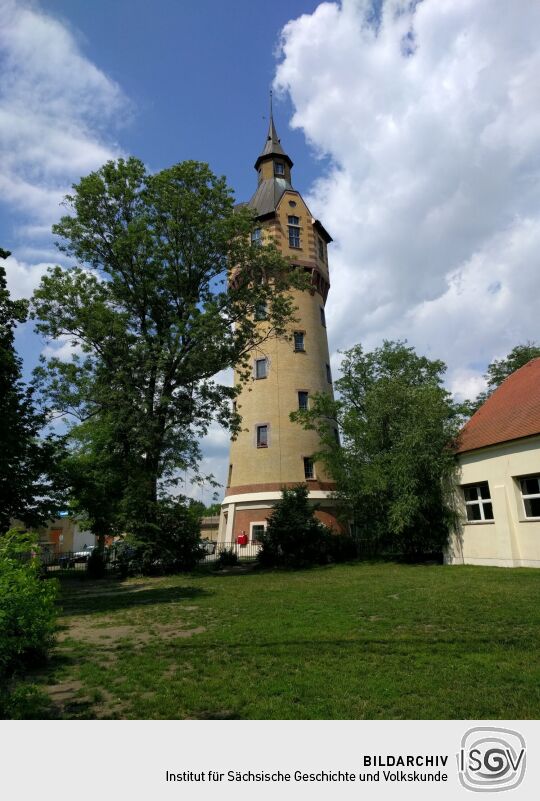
(511, 412)
(499, 462)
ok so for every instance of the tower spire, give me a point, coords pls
(272, 145)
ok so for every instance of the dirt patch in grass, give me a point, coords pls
(63, 691)
(110, 634)
(171, 632)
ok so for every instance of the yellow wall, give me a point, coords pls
(511, 540)
(271, 400)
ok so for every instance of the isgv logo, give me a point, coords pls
(491, 759)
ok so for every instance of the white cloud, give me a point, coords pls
(23, 278)
(431, 119)
(55, 110)
(62, 348)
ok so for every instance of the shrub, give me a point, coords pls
(27, 611)
(294, 536)
(96, 565)
(343, 548)
(172, 543)
(227, 558)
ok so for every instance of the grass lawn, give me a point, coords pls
(349, 641)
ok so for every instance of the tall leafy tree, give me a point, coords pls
(500, 369)
(27, 462)
(394, 467)
(162, 297)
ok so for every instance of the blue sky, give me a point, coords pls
(197, 73)
(422, 162)
(195, 76)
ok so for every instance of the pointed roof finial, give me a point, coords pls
(272, 146)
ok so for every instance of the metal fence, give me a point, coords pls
(75, 561)
(218, 551)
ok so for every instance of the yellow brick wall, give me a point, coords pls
(271, 400)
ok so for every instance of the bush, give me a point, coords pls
(227, 558)
(343, 548)
(27, 607)
(96, 565)
(172, 543)
(294, 536)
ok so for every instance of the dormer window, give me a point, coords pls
(279, 168)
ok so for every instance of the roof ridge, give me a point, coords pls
(512, 411)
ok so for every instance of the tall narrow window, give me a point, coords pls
(309, 470)
(279, 168)
(321, 250)
(294, 231)
(530, 492)
(256, 236)
(262, 436)
(328, 374)
(303, 400)
(261, 368)
(323, 317)
(299, 340)
(229, 479)
(478, 502)
(261, 311)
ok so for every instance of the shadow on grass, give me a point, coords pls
(111, 597)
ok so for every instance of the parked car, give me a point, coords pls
(207, 546)
(77, 557)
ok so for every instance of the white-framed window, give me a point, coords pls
(309, 468)
(299, 344)
(256, 236)
(303, 399)
(530, 492)
(256, 529)
(279, 168)
(262, 435)
(261, 368)
(294, 231)
(478, 504)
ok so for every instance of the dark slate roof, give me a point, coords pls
(512, 412)
(268, 195)
(272, 146)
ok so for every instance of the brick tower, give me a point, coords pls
(271, 452)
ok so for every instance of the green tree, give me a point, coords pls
(500, 369)
(27, 462)
(92, 469)
(395, 468)
(27, 611)
(171, 542)
(293, 535)
(163, 297)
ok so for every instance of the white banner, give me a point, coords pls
(94, 760)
